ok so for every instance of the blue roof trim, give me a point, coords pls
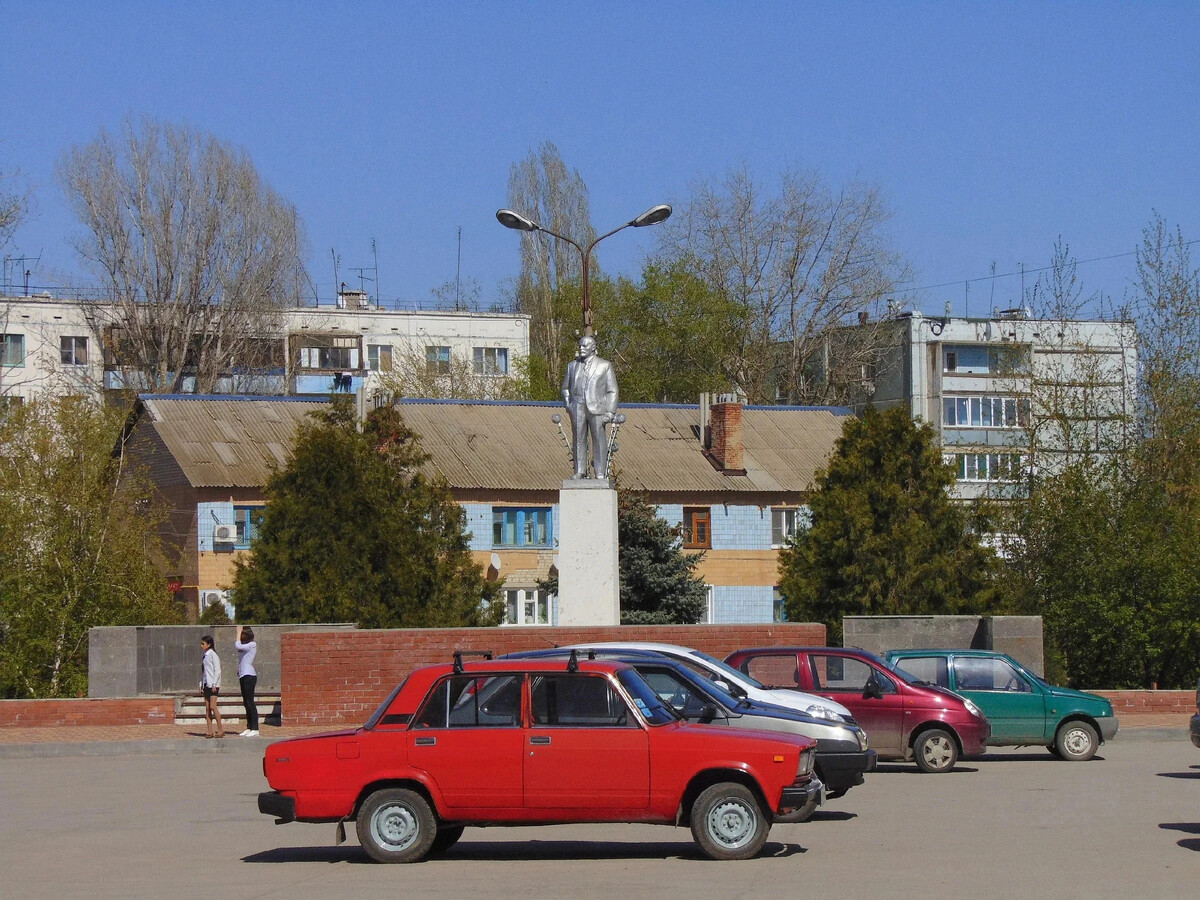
(286, 398)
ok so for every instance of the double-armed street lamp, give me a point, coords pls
(652, 216)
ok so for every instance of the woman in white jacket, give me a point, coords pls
(210, 685)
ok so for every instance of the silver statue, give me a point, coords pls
(589, 391)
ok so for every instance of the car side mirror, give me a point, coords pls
(707, 713)
(873, 690)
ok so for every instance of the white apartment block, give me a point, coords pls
(59, 346)
(1009, 395)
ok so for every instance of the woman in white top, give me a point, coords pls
(210, 685)
(247, 649)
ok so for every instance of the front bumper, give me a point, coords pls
(1196, 730)
(799, 800)
(281, 806)
(842, 771)
(1108, 727)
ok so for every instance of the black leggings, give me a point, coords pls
(248, 682)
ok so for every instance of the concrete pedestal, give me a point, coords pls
(588, 583)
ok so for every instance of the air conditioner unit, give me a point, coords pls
(212, 598)
(225, 534)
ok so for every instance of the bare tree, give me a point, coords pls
(796, 266)
(413, 374)
(199, 255)
(541, 188)
(13, 207)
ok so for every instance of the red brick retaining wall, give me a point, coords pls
(338, 678)
(1152, 703)
(43, 713)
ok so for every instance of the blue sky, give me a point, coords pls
(991, 129)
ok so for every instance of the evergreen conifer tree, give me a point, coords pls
(355, 531)
(884, 536)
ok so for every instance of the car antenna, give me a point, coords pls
(573, 661)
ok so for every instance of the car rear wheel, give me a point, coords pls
(935, 751)
(396, 825)
(446, 838)
(1076, 741)
(728, 822)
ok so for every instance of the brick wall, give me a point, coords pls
(43, 713)
(338, 678)
(1152, 703)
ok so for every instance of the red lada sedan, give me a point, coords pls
(527, 742)
(903, 718)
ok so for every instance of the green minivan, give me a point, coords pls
(1022, 708)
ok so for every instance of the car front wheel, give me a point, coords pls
(396, 826)
(447, 837)
(728, 822)
(1076, 741)
(935, 751)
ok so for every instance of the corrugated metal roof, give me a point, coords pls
(515, 446)
(227, 441)
(492, 446)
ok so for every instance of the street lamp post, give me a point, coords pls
(652, 216)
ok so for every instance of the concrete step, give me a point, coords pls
(189, 709)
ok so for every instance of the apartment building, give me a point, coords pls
(67, 346)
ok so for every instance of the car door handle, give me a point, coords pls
(426, 741)
(539, 739)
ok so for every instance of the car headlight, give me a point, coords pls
(823, 712)
(863, 743)
(972, 708)
(806, 762)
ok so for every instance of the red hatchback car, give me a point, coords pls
(528, 742)
(903, 718)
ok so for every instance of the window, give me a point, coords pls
(330, 353)
(12, 349)
(778, 606)
(586, 701)
(696, 533)
(379, 357)
(464, 701)
(73, 351)
(521, 527)
(985, 412)
(1007, 467)
(437, 360)
(844, 673)
(985, 674)
(248, 520)
(974, 359)
(926, 668)
(491, 361)
(773, 670)
(526, 607)
(784, 523)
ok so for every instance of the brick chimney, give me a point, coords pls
(726, 450)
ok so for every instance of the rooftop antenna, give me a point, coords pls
(992, 296)
(966, 299)
(458, 275)
(375, 260)
(336, 281)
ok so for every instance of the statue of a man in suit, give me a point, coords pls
(589, 390)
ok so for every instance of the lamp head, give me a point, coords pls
(652, 216)
(510, 219)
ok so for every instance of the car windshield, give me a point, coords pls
(652, 707)
(733, 674)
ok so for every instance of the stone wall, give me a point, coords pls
(133, 661)
(338, 678)
(1018, 636)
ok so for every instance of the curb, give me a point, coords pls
(174, 746)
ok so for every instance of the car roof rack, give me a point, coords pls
(459, 654)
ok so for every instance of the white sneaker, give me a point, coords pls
(246, 733)
(251, 734)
